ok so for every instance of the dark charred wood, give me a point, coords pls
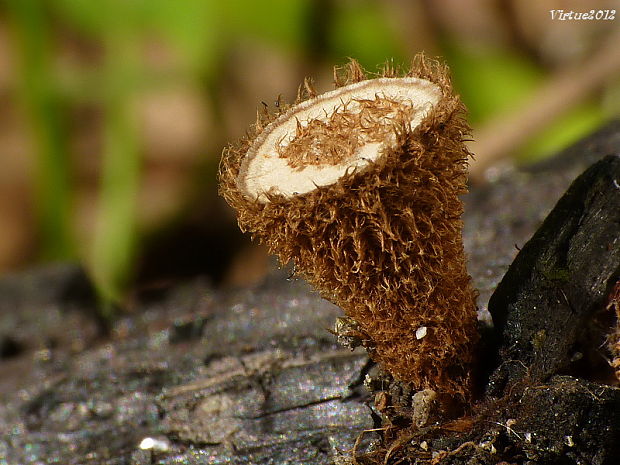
(547, 307)
(253, 376)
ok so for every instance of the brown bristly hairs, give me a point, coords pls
(614, 305)
(383, 241)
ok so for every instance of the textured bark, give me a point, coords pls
(548, 305)
(293, 395)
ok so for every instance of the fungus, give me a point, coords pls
(360, 187)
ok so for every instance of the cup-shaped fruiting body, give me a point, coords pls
(360, 187)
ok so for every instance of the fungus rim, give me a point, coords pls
(273, 175)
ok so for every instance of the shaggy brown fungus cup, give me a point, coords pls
(360, 188)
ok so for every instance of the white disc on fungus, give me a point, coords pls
(273, 163)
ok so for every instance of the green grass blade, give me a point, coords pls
(53, 194)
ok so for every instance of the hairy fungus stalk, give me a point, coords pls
(360, 188)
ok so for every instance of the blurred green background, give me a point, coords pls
(115, 112)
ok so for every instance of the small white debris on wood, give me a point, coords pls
(347, 332)
(424, 445)
(569, 441)
(528, 438)
(342, 459)
(339, 457)
(420, 332)
(422, 403)
(43, 355)
(509, 424)
(488, 445)
(155, 444)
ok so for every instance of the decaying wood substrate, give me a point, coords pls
(150, 394)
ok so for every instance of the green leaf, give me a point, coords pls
(360, 30)
(562, 132)
(47, 113)
(491, 80)
(196, 28)
(279, 22)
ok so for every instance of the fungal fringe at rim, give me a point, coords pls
(614, 343)
(360, 188)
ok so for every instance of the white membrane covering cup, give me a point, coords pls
(265, 170)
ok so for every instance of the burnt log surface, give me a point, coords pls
(252, 376)
(504, 214)
(551, 321)
(545, 305)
